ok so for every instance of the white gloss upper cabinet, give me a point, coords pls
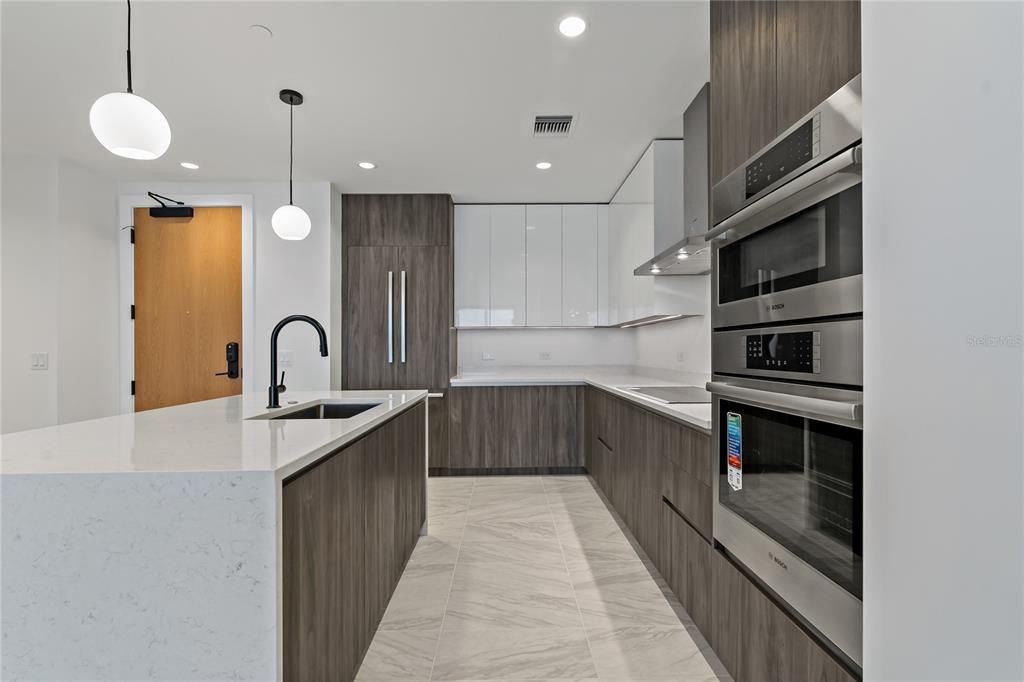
(472, 265)
(544, 265)
(580, 277)
(538, 265)
(508, 258)
(604, 294)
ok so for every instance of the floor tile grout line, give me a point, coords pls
(451, 583)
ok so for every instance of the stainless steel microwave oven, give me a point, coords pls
(788, 236)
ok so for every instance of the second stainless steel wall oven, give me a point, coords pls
(787, 368)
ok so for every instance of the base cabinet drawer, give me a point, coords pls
(528, 428)
(686, 566)
(437, 411)
(686, 482)
(756, 640)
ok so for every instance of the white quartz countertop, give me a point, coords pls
(213, 435)
(616, 380)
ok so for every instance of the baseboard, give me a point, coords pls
(505, 471)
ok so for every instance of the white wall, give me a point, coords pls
(289, 277)
(59, 293)
(680, 345)
(522, 347)
(87, 313)
(28, 227)
(943, 250)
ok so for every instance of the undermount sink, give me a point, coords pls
(324, 410)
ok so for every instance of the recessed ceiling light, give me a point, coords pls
(655, 269)
(367, 165)
(543, 165)
(683, 255)
(572, 27)
(190, 165)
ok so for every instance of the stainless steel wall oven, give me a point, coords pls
(787, 368)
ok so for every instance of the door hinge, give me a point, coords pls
(133, 386)
(133, 311)
(132, 235)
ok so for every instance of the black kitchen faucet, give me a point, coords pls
(275, 388)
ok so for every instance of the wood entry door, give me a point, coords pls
(188, 305)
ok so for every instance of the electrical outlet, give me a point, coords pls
(679, 356)
(285, 358)
(40, 361)
(544, 355)
(487, 357)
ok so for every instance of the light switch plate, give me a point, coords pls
(285, 358)
(40, 361)
(488, 357)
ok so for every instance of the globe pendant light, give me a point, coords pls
(289, 221)
(129, 125)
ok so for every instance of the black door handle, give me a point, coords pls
(231, 354)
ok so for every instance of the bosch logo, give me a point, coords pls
(776, 306)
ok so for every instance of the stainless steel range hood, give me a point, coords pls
(690, 254)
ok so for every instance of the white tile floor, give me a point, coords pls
(532, 578)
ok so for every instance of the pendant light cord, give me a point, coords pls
(129, 46)
(291, 148)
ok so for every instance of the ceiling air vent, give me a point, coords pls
(552, 126)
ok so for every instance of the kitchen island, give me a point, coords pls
(206, 541)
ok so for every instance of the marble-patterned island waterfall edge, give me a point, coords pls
(155, 545)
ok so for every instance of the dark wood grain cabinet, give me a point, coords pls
(743, 81)
(818, 50)
(523, 428)
(366, 307)
(422, 352)
(397, 306)
(756, 640)
(349, 524)
(686, 477)
(658, 475)
(638, 458)
(388, 289)
(685, 563)
(397, 219)
(730, 591)
(772, 61)
(438, 441)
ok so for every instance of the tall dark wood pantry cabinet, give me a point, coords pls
(397, 301)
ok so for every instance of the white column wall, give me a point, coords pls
(943, 251)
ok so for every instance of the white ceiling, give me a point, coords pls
(439, 95)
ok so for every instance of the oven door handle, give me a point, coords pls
(835, 409)
(838, 163)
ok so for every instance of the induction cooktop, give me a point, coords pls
(675, 394)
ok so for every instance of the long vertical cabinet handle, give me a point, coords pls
(402, 319)
(391, 317)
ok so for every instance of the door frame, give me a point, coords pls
(126, 205)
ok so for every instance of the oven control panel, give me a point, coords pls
(796, 149)
(786, 352)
